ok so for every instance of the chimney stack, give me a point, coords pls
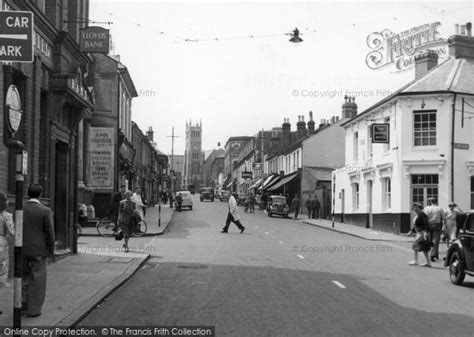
(149, 134)
(424, 62)
(311, 124)
(301, 128)
(349, 108)
(286, 134)
(461, 45)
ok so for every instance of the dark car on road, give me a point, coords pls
(207, 193)
(460, 255)
(277, 205)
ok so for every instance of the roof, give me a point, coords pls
(451, 76)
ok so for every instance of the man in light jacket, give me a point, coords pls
(233, 215)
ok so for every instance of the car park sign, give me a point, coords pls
(16, 36)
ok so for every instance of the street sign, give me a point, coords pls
(381, 133)
(13, 108)
(246, 174)
(257, 166)
(16, 36)
(461, 146)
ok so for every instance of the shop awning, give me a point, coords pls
(259, 181)
(230, 184)
(269, 181)
(283, 181)
(242, 182)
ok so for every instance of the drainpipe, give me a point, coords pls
(452, 145)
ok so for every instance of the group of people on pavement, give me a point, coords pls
(38, 245)
(312, 204)
(126, 211)
(430, 223)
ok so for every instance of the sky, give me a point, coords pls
(230, 66)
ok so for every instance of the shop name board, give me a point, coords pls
(247, 175)
(381, 133)
(461, 146)
(41, 45)
(257, 166)
(94, 40)
(389, 48)
(102, 157)
(13, 108)
(16, 36)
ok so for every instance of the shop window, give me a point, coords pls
(424, 128)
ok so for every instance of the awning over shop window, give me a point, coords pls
(283, 181)
(230, 184)
(257, 184)
(242, 182)
(269, 181)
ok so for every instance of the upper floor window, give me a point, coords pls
(369, 142)
(386, 146)
(424, 128)
(356, 146)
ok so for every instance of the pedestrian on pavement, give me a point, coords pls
(309, 206)
(451, 225)
(422, 242)
(179, 202)
(6, 227)
(295, 205)
(127, 218)
(252, 203)
(435, 216)
(137, 199)
(315, 206)
(122, 191)
(38, 245)
(233, 215)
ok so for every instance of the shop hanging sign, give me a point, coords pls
(246, 175)
(13, 108)
(102, 158)
(381, 133)
(389, 48)
(94, 40)
(16, 36)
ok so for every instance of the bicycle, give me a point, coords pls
(107, 227)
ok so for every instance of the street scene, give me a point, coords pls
(256, 168)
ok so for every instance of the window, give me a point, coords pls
(424, 128)
(387, 191)
(356, 146)
(355, 196)
(369, 142)
(386, 146)
(424, 186)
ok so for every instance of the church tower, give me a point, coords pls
(193, 157)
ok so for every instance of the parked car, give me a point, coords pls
(187, 199)
(276, 204)
(207, 193)
(460, 255)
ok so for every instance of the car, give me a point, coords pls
(276, 204)
(187, 199)
(207, 193)
(460, 255)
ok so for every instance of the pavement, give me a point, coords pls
(78, 283)
(357, 231)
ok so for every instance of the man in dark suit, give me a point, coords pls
(38, 245)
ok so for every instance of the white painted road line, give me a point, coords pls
(280, 242)
(256, 226)
(301, 257)
(339, 284)
(267, 233)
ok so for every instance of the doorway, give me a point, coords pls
(61, 194)
(343, 199)
(370, 220)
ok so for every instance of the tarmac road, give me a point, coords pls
(285, 278)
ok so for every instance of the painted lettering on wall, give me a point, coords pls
(102, 157)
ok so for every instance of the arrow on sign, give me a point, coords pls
(14, 36)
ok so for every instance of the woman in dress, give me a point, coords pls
(451, 226)
(6, 227)
(126, 217)
(422, 242)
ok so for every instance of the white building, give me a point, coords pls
(430, 150)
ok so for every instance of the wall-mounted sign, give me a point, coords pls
(461, 146)
(399, 49)
(94, 40)
(102, 157)
(16, 36)
(257, 166)
(381, 133)
(13, 108)
(246, 175)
